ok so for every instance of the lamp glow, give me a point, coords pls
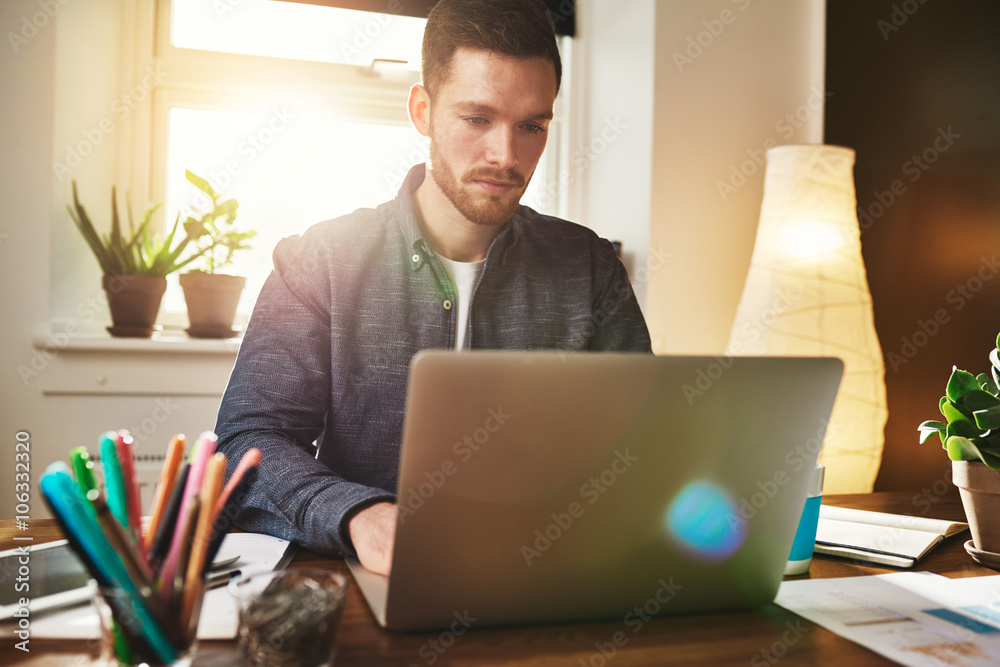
(807, 260)
(811, 239)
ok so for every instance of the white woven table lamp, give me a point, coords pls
(806, 294)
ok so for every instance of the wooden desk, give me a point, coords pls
(763, 637)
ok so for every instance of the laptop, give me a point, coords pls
(545, 487)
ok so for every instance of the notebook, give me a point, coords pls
(542, 487)
(897, 540)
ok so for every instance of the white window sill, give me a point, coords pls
(70, 337)
(81, 359)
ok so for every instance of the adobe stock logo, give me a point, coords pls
(121, 108)
(898, 18)
(697, 44)
(30, 26)
(591, 490)
(465, 449)
(915, 168)
(785, 127)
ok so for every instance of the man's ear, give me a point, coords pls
(419, 107)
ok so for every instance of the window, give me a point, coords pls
(297, 111)
(296, 31)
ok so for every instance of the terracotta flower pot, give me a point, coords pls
(211, 303)
(980, 488)
(134, 302)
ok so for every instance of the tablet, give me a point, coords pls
(56, 578)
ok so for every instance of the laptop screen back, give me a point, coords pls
(545, 486)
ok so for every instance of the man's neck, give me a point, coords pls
(448, 232)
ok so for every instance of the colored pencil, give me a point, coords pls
(64, 497)
(229, 511)
(130, 486)
(168, 523)
(194, 582)
(158, 577)
(113, 483)
(168, 477)
(83, 468)
(206, 448)
(135, 567)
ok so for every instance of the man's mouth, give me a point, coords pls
(495, 181)
(495, 187)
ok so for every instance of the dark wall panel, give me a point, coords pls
(916, 92)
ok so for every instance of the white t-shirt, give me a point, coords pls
(464, 276)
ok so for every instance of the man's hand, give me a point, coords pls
(373, 531)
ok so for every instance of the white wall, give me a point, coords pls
(754, 78)
(612, 123)
(26, 110)
(58, 89)
(673, 104)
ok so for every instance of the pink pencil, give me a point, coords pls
(205, 448)
(251, 459)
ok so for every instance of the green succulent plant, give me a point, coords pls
(142, 252)
(971, 406)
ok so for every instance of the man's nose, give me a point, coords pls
(501, 151)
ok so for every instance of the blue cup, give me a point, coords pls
(805, 537)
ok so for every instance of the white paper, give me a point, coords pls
(914, 618)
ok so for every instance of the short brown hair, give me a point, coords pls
(515, 28)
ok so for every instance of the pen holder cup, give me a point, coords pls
(129, 637)
(289, 617)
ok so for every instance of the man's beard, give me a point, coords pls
(484, 209)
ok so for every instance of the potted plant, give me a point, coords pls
(135, 265)
(971, 437)
(212, 297)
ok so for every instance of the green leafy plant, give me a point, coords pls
(218, 238)
(142, 252)
(971, 405)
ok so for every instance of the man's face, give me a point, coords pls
(487, 127)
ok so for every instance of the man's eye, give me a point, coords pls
(534, 129)
(475, 120)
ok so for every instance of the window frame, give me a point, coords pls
(210, 80)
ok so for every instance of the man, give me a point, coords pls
(452, 262)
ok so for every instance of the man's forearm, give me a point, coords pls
(298, 498)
